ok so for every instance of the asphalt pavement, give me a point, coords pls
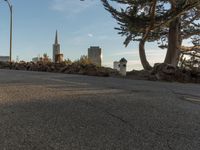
(48, 111)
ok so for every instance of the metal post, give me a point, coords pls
(11, 26)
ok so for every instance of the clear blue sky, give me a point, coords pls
(80, 25)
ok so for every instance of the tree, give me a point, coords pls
(167, 21)
(182, 25)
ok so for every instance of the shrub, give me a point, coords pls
(83, 60)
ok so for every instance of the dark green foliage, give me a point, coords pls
(190, 59)
(135, 19)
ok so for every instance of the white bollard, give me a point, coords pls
(123, 66)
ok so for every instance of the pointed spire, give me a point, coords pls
(56, 38)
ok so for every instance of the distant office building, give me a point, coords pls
(57, 56)
(44, 58)
(95, 55)
(116, 65)
(36, 59)
(4, 58)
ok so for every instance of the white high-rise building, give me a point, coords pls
(116, 65)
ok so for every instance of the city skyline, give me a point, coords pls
(79, 24)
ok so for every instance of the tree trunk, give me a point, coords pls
(143, 58)
(174, 43)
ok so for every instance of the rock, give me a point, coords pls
(43, 68)
(74, 68)
(139, 74)
(183, 76)
(63, 69)
(170, 73)
(33, 67)
(152, 78)
(169, 69)
(20, 66)
(164, 72)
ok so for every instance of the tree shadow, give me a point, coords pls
(100, 121)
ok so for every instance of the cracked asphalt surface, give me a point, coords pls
(47, 111)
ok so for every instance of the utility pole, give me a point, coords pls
(11, 25)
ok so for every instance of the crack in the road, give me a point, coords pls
(110, 114)
(187, 97)
(158, 132)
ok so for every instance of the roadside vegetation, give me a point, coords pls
(81, 66)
